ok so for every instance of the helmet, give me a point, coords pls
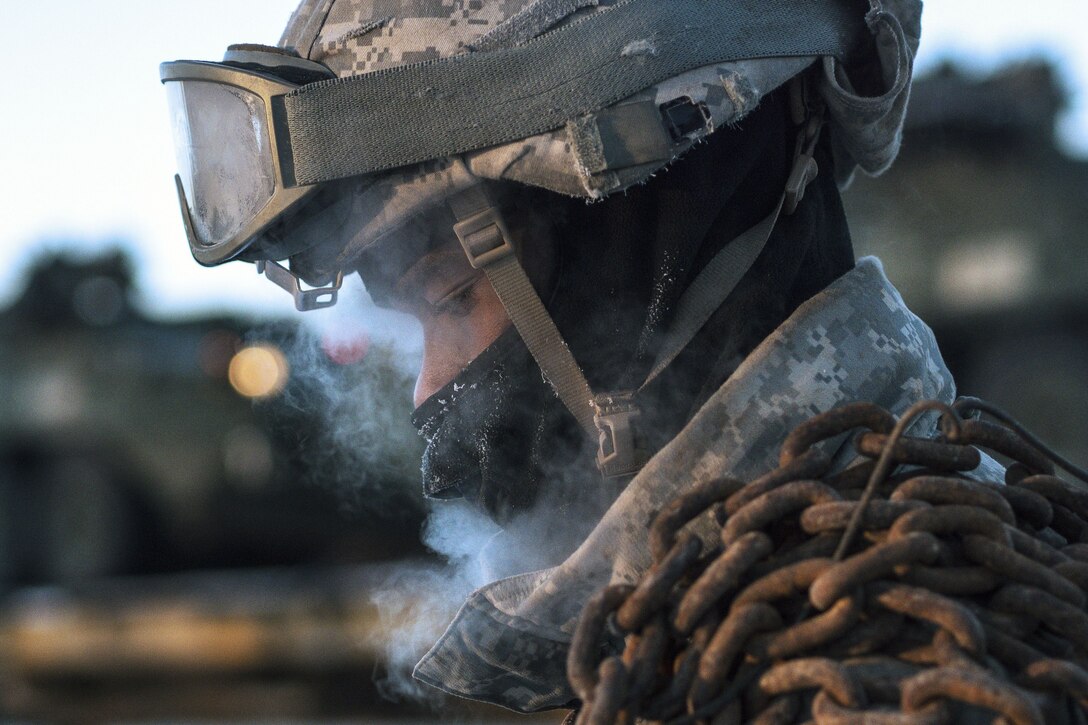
(370, 115)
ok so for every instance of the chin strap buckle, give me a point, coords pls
(805, 170)
(484, 238)
(618, 450)
(808, 115)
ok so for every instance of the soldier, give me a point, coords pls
(591, 360)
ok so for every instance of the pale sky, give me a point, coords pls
(87, 157)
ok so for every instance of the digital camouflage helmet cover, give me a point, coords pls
(372, 112)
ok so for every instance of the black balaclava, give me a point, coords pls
(499, 436)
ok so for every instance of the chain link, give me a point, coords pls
(896, 591)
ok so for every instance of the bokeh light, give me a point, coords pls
(258, 371)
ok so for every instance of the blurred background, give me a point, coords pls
(185, 535)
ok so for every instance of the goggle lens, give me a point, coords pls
(224, 156)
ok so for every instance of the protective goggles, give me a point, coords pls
(257, 135)
(234, 171)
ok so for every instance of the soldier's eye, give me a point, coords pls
(460, 300)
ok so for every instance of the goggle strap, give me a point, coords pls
(424, 111)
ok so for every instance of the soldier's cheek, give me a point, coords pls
(451, 340)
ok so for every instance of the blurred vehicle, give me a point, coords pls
(131, 445)
(982, 226)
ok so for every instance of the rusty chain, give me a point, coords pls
(896, 591)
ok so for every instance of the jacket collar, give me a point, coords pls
(856, 340)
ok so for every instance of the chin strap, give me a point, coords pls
(725, 270)
(610, 418)
(486, 242)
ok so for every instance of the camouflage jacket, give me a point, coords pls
(854, 341)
